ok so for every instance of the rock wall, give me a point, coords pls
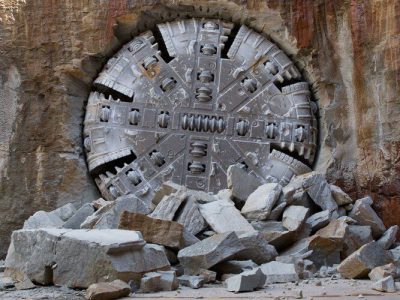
(51, 51)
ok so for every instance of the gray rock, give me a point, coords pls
(42, 219)
(256, 248)
(165, 189)
(108, 290)
(65, 212)
(78, 258)
(325, 251)
(247, 281)
(235, 266)
(192, 281)
(362, 261)
(159, 281)
(209, 252)
(219, 215)
(389, 237)
(294, 217)
(241, 183)
(259, 204)
(25, 284)
(363, 213)
(340, 196)
(356, 236)
(395, 253)
(381, 272)
(181, 208)
(385, 285)
(276, 213)
(110, 217)
(319, 190)
(79, 217)
(319, 220)
(279, 272)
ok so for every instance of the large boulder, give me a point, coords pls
(78, 258)
(363, 213)
(356, 236)
(389, 237)
(223, 216)
(362, 261)
(260, 203)
(42, 219)
(209, 252)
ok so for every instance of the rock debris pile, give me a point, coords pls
(253, 234)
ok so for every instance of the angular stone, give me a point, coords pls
(25, 284)
(356, 236)
(389, 237)
(277, 272)
(294, 217)
(159, 281)
(246, 281)
(319, 220)
(79, 217)
(78, 258)
(42, 219)
(110, 217)
(235, 266)
(319, 190)
(99, 203)
(192, 281)
(395, 253)
(180, 208)
(201, 197)
(241, 183)
(108, 290)
(276, 213)
(340, 196)
(65, 212)
(209, 252)
(156, 231)
(166, 188)
(208, 275)
(385, 285)
(361, 262)
(381, 272)
(256, 248)
(325, 251)
(220, 215)
(260, 203)
(363, 213)
(335, 230)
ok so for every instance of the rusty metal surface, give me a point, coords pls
(189, 114)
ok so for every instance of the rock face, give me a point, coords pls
(42, 99)
(63, 256)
